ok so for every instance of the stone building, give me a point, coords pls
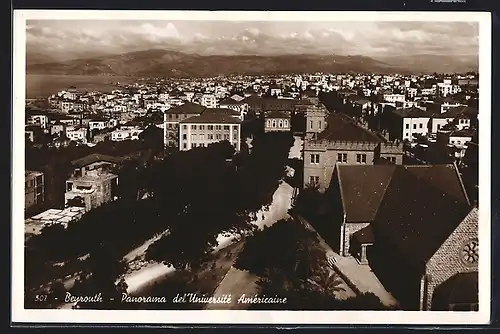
(92, 183)
(415, 227)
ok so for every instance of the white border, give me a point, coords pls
(19, 314)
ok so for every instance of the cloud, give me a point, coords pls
(266, 38)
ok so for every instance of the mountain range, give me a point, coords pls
(166, 63)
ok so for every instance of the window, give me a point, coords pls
(274, 123)
(439, 126)
(210, 127)
(235, 136)
(217, 136)
(193, 137)
(319, 125)
(202, 127)
(280, 123)
(407, 135)
(235, 127)
(407, 126)
(202, 137)
(226, 127)
(193, 127)
(315, 158)
(314, 180)
(69, 186)
(285, 123)
(210, 136)
(414, 126)
(226, 136)
(218, 127)
(342, 157)
(361, 158)
(184, 127)
(421, 125)
(311, 125)
(184, 136)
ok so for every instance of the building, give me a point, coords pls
(35, 224)
(277, 121)
(393, 98)
(405, 124)
(208, 101)
(92, 183)
(461, 117)
(34, 189)
(419, 259)
(236, 105)
(315, 118)
(97, 124)
(173, 116)
(125, 134)
(208, 128)
(77, 133)
(342, 142)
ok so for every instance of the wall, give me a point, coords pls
(421, 126)
(349, 230)
(447, 262)
(270, 128)
(328, 159)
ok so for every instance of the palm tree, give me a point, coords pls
(327, 282)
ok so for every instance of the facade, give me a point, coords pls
(315, 119)
(342, 142)
(405, 124)
(173, 116)
(77, 133)
(208, 128)
(437, 242)
(393, 98)
(92, 184)
(276, 121)
(208, 101)
(34, 189)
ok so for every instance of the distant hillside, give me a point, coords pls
(157, 63)
(435, 63)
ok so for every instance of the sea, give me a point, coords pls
(42, 85)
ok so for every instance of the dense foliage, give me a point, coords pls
(194, 195)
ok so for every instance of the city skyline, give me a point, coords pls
(372, 39)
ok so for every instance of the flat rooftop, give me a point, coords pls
(35, 224)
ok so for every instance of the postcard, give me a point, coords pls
(218, 167)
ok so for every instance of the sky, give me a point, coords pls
(256, 38)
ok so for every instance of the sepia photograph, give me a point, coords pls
(226, 163)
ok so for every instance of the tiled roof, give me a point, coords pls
(342, 128)
(362, 188)
(416, 217)
(412, 112)
(277, 114)
(209, 117)
(188, 108)
(94, 157)
(415, 207)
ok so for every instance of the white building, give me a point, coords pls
(208, 128)
(77, 133)
(394, 98)
(209, 101)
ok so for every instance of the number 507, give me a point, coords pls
(41, 298)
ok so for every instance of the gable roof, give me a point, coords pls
(412, 112)
(342, 128)
(416, 217)
(94, 157)
(188, 108)
(362, 188)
